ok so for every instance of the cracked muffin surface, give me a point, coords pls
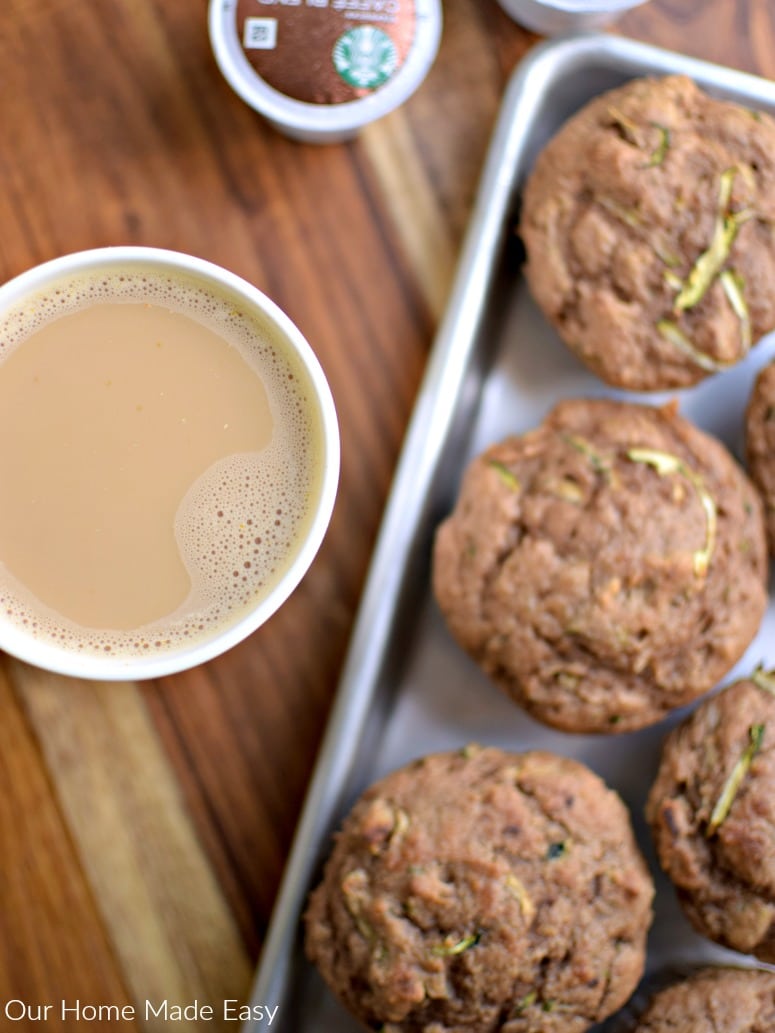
(648, 225)
(481, 891)
(714, 1000)
(712, 814)
(605, 567)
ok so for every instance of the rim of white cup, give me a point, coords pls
(588, 6)
(47, 655)
(576, 12)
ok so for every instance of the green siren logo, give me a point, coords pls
(365, 57)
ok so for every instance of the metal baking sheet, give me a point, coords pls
(496, 368)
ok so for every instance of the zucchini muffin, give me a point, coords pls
(712, 814)
(604, 568)
(760, 444)
(648, 225)
(479, 891)
(715, 1000)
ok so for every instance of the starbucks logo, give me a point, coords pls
(365, 57)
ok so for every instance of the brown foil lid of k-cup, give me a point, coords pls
(321, 69)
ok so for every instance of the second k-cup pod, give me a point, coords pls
(320, 70)
(558, 16)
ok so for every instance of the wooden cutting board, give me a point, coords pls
(144, 828)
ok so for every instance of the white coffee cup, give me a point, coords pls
(30, 646)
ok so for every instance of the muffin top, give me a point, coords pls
(648, 224)
(605, 567)
(714, 1000)
(483, 890)
(712, 812)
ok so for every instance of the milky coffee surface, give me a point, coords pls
(159, 453)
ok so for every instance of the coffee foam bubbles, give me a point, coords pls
(240, 524)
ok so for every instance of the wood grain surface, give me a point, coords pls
(144, 827)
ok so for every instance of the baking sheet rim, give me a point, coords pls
(432, 415)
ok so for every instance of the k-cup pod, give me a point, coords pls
(169, 455)
(551, 17)
(320, 70)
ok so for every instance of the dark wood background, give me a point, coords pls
(144, 827)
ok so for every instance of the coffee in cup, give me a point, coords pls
(168, 456)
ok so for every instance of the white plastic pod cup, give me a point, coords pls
(552, 17)
(321, 70)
